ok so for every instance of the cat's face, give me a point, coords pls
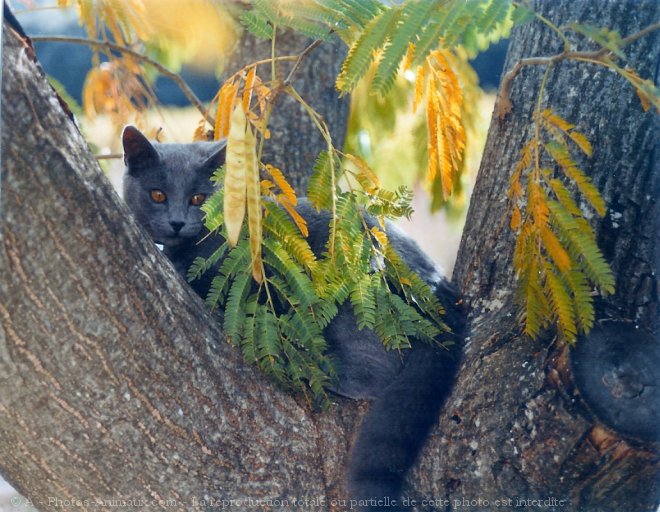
(165, 184)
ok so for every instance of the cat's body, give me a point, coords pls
(162, 185)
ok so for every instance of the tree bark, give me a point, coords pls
(116, 383)
(516, 426)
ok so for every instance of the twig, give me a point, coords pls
(301, 57)
(109, 156)
(187, 91)
(601, 56)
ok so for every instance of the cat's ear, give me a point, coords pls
(217, 157)
(138, 151)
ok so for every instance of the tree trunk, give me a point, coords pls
(116, 383)
(516, 427)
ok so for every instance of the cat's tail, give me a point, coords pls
(398, 422)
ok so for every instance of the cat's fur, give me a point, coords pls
(407, 389)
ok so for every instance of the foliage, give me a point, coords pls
(129, 34)
(556, 255)
(433, 37)
(278, 317)
(276, 293)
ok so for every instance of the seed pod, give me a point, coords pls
(254, 205)
(237, 160)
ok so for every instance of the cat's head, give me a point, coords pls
(165, 184)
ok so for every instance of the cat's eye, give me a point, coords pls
(158, 196)
(197, 199)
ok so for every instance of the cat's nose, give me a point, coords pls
(176, 225)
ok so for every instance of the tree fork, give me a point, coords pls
(116, 382)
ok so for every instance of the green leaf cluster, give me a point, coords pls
(265, 15)
(376, 32)
(279, 323)
(385, 34)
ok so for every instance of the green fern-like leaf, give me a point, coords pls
(213, 210)
(446, 14)
(320, 190)
(347, 234)
(496, 13)
(280, 225)
(236, 261)
(302, 330)
(257, 25)
(608, 39)
(537, 309)
(352, 13)
(391, 203)
(414, 15)
(363, 300)
(280, 260)
(235, 306)
(324, 311)
(583, 247)
(267, 9)
(413, 288)
(202, 265)
(388, 321)
(309, 20)
(560, 154)
(248, 342)
(412, 323)
(581, 293)
(565, 197)
(267, 334)
(562, 305)
(361, 54)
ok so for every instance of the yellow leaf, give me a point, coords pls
(410, 54)
(538, 205)
(446, 133)
(581, 141)
(237, 161)
(266, 187)
(367, 178)
(432, 129)
(555, 250)
(280, 181)
(556, 120)
(200, 131)
(226, 98)
(297, 218)
(419, 87)
(380, 236)
(516, 219)
(644, 99)
(263, 93)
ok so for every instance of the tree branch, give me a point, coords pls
(301, 57)
(187, 91)
(601, 56)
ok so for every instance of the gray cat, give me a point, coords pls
(165, 185)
